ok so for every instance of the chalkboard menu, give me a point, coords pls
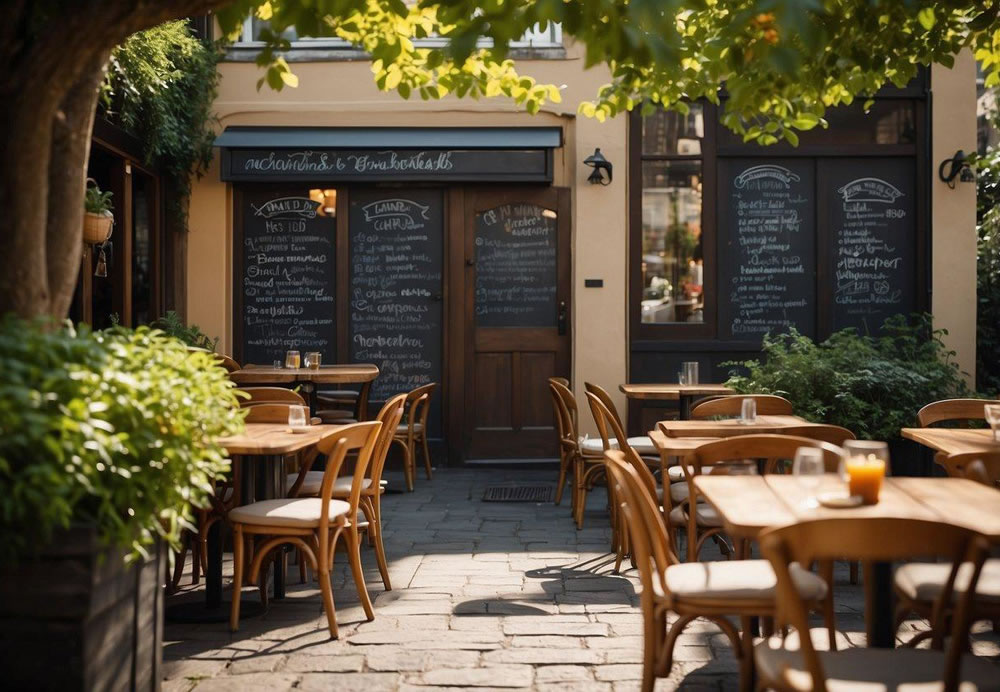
(516, 272)
(874, 236)
(396, 246)
(767, 247)
(287, 280)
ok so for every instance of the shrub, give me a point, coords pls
(112, 428)
(172, 325)
(871, 385)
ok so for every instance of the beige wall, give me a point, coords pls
(953, 212)
(340, 94)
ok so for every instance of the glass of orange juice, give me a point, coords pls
(865, 463)
(292, 359)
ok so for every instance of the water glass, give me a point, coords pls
(292, 360)
(690, 369)
(312, 360)
(277, 364)
(808, 468)
(297, 416)
(682, 378)
(748, 412)
(992, 413)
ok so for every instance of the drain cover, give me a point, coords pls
(518, 493)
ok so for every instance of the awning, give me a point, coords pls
(390, 137)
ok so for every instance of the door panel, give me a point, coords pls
(517, 293)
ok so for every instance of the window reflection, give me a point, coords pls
(672, 260)
(670, 133)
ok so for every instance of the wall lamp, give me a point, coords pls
(957, 167)
(598, 163)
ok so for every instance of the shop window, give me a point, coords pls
(672, 263)
(143, 247)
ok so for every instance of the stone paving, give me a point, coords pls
(485, 596)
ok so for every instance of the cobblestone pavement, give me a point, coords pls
(485, 595)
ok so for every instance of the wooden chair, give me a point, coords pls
(710, 590)
(588, 466)
(565, 430)
(872, 539)
(953, 410)
(312, 524)
(640, 443)
(308, 483)
(414, 431)
(732, 405)
(270, 395)
(919, 584)
(719, 456)
(560, 380)
(228, 363)
(834, 434)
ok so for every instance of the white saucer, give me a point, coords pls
(838, 500)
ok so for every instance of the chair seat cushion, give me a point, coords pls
(339, 394)
(314, 482)
(741, 579)
(335, 417)
(641, 445)
(901, 670)
(705, 515)
(923, 581)
(300, 512)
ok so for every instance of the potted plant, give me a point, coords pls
(98, 217)
(108, 438)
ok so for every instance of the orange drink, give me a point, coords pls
(865, 476)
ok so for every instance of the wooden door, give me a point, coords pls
(517, 307)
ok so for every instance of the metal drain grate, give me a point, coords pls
(518, 493)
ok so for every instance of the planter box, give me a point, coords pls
(78, 618)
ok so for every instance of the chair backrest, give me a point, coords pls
(418, 405)
(834, 434)
(356, 437)
(570, 412)
(227, 362)
(389, 417)
(774, 449)
(607, 426)
(962, 410)
(606, 399)
(560, 380)
(564, 423)
(979, 466)
(874, 539)
(270, 395)
(732, 405)
(269, 413)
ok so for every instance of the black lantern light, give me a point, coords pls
(957, 167)
(599, 164)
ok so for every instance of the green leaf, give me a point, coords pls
(926, 18)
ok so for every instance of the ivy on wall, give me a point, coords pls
(160, 87)
(988, 274)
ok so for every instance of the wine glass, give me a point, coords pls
(808, 468)
(297, 416)
(992, 412)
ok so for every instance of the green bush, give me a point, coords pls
(113, 428)
(172, 325)
(871, 385)
(988, 274)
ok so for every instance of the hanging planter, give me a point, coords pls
(98, 218)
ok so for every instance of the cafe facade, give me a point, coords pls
(467, 243)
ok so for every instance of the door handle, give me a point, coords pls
(561, 319)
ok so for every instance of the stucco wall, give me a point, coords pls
(953, 212)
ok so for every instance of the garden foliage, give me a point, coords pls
(988, 274)
(872, 385)
(192, 335)
(112, 428)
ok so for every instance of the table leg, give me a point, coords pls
(312, 396)
(684, 402)
(213, 570)
(269, 474)
(879, 605)
(362, 406)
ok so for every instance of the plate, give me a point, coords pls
(839, 500)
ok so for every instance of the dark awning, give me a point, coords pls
(390, 137)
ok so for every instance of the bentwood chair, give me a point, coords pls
(710, 590)
(987, 471)
(270, 395)
(732, 405)
(312, 524)
(413, 432)
(834, 434)
(640, 443)
(307, 483)
(959, 411)
(803, 669)
(587, 465)
(565, 430)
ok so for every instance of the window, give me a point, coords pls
(672, 262)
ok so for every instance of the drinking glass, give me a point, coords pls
(682, 378)
(992, 412)
(313, 359)
(748, 412)
(865, 464)
(277, 364)
(808, 468)
(691, 372)
(292, 359)
(297, 416)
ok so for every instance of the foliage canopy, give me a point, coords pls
(782, 63)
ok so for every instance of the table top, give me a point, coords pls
(275, 439)
(731, 427)
(671, 392)
(327, 374)
(750, 504)
(953, 440)
(676, 446)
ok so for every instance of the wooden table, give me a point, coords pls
(682, 393)
(732, 427)
(953, 440)
(348, 373)
(265, 445)
(750, 504)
